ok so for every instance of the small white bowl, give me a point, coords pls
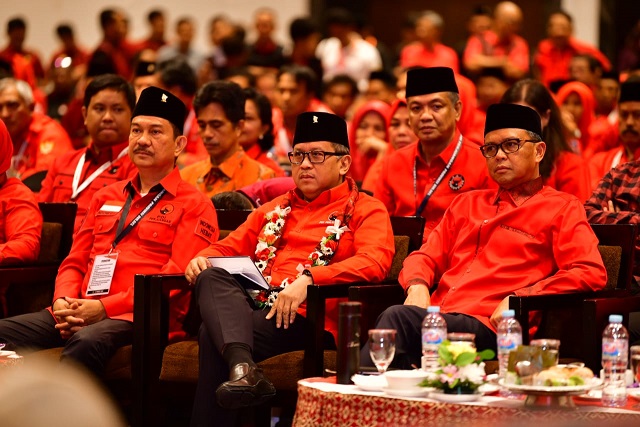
(404, 380)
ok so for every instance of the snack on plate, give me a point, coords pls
(563, 375)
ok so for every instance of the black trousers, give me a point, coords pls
(92, 346)
(229, 316)
(407, 320)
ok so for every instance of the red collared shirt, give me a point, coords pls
(46, 140)
(417, 54)
(182, 223)
(364, 252)
(516, 49)
(20, 223)
(396, 184)
(531, 240)
(57, 185)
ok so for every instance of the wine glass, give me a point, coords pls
(382, 347)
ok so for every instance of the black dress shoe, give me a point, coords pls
(247, 386)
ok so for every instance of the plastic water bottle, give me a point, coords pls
(509, 338)
(615, 355)
(434, 331)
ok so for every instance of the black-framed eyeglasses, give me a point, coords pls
(315, 156)
(508, 146)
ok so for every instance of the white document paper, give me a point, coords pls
(102, 274)
(241, 266)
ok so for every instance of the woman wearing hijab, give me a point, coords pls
(368, 139)
(560, 168)
(578, 107)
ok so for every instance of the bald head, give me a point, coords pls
(507, 18)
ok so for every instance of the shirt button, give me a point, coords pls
(100, 227)
(468, 270)
(135, 205)
(486, 221)
(155, 234)
(275, 269)
(288, 249)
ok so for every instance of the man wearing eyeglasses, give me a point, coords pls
(323, 231)
(522, 239)
(423, 178)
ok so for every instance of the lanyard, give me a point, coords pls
(120, 233)
(17, 159)
(438, 180)
(75, 189)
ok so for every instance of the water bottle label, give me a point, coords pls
(614, 348)
(433, 337)
(508, 342)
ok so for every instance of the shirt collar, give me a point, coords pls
(227, 168)
(521, 193)
(254, 151)
(106, 153)
(446, 154)
(326, 197)
(169, 183)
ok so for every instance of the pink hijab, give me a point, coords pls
(363, 161)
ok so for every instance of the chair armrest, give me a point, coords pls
(150, 336)
(523, 305)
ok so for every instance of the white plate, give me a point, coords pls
(488, 388)
(454, 398)
(410, 392)
(574, 389)
(369, 382)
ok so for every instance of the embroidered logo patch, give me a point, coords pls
(111, 207)
(315, 119)
(515, 230)
(166, 209)
(456, 182)
(205, 229)
(164, 97)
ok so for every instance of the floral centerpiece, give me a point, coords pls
(461, 368)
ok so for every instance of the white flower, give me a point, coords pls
(279, 223)
(271, 299)
(269, 229)
(336, 229)
(473, 372)
(326, 250)
(261, 246)
(282, 212)
(284, 283)
(261, 265)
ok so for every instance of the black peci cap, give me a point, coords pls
(161, 103)
(423, 81)
(316, 126)
(505, 116)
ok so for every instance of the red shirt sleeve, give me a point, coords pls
(21, 223)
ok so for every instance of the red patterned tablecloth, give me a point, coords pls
(321, 404)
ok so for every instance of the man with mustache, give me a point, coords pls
(629, 130)
(219, 108)
(77, 175)
(153, 223)
(323, 231)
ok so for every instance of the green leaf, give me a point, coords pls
(445, 355)
(487, 354)
(465, 359)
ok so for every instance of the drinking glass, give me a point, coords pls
(550, 345)
(462, 337)
(634, 352)
(382, 347)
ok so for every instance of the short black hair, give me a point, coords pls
(100, 63)
(265, 113)
(231, 200)
(593, 63)
(178, 72)
(301, 28)
(110, 81)
(300, 74)
(106, 17)
(228, 94)
(342, 79)
(339, 16)
(226, 73)
(385, 77)
(16, 24)
(563, 13)
(155, 13)
(64, 30)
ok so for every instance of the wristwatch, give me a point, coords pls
(306, 272)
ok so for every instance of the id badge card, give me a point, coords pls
(102, 274)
